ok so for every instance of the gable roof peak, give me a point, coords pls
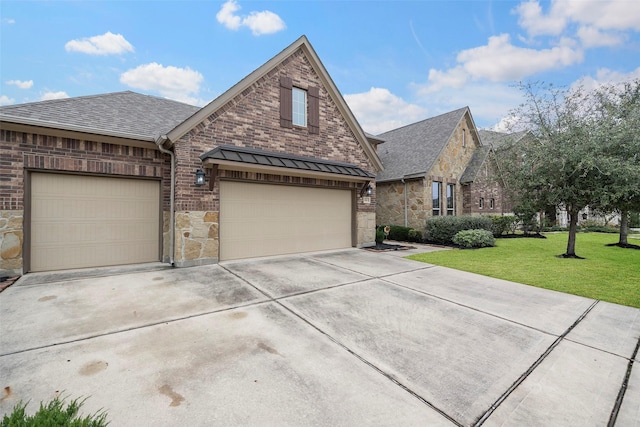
(301, 43)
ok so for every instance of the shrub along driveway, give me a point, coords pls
(334, 338)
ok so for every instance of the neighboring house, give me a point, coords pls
(435, 167)
(110, 179)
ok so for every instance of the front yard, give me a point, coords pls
(608, 273)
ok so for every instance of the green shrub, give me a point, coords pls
(600, 229)
(634, 219)
(53, 414)
(503, 224)
(474, 239)
(379, 236)
(441, 229)
(399, 232)
(415, 235)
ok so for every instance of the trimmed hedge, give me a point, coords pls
(379, 236)
(402, 234)
(441, 229)
(474, 239)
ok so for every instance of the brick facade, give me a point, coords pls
(21, 153)
(249, 118)
(486, 187)
(252, 119)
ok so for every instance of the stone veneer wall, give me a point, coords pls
(196, 238)
(390, 210)
(11, 237)
(366, 226)
(451, 165)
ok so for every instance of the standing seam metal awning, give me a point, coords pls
(252, 156)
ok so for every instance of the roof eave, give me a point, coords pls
(74, 128)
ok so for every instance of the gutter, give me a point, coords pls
(172, 228)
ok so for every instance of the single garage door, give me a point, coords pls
(262, 219)
(87, 221)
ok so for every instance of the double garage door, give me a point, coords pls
(262, 219)
(87, 221)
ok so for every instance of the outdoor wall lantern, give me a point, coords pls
(369, 191)
(199, 178)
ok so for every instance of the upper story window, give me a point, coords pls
(481, 203)
(492, 203)
(464, 137)
(299, 107)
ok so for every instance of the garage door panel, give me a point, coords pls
(81, 221)
(263, 219)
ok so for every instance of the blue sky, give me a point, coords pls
(395, 62)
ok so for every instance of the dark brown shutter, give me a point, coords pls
(286, 101)
(314, 110)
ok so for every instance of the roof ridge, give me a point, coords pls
(424, 120)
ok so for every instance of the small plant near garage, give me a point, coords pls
(469, 239)
(55, 413)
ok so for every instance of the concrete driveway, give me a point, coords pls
(340, 338)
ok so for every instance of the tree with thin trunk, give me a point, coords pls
(562, 163)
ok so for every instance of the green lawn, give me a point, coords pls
(608, 273)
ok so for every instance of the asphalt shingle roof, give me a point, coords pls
(497, 139)
(254, 156)
(413, 149)
(122, 113)
(473, 167)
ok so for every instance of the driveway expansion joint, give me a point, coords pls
(535, 364)
(623, 387)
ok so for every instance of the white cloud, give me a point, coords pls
(606, 15)
(172, 82)
(378, 110)
(5, 100)
(226, 16)
(264, 22)
(593, 37)
(536, 23)
(105, 44)
(53, 95)
(26, 84)
(9, 21)
(501, 61)
(605, 76)
(617, 15)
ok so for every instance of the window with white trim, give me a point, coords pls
(481, 203)
(299, 107)
(492, 203)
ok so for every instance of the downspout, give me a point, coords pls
(406, 220)
(172, 229)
